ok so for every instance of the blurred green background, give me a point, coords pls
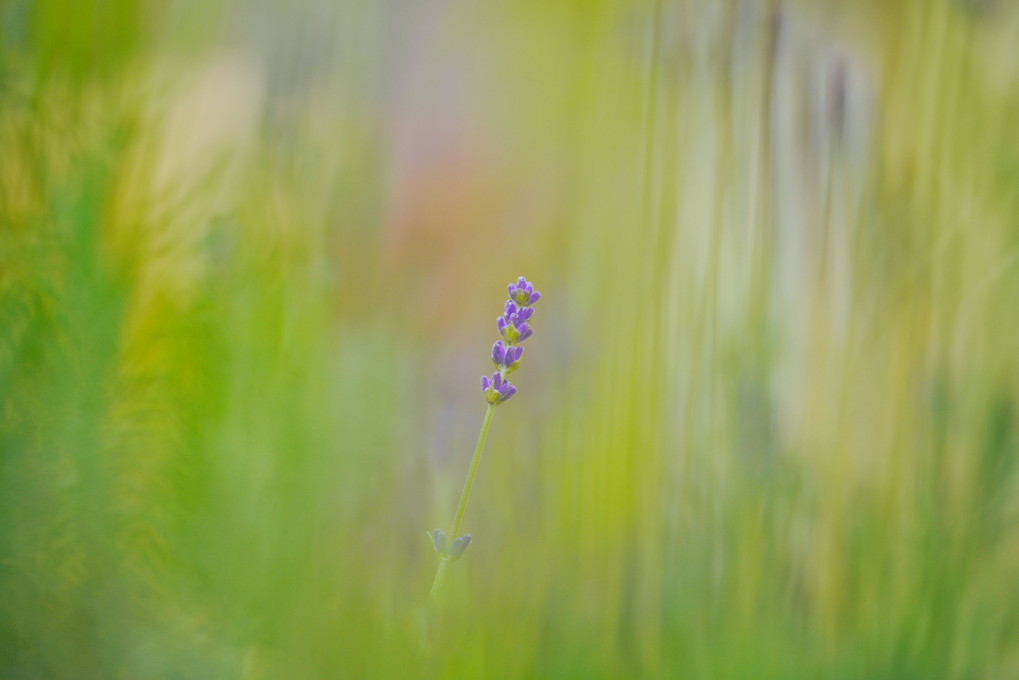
(251, 256)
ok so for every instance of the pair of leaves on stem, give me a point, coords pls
(456, 550)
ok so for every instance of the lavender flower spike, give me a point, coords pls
(514, 326)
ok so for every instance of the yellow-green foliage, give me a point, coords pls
(250, 262)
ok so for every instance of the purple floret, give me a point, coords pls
(506, 357)
(496, 389)
(499, 353)
(513, 329)
(523, 293)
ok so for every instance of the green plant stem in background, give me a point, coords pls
(465, 494)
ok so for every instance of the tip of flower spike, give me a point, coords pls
(523, 293)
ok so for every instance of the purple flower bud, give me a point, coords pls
(506, 357)
(459, 546)
(507, 328)
(497, 390)
(523, 292)
(510, 309)
(499, 353)
(439, 539)
(513, 328)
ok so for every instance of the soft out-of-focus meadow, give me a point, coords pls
(251, 256)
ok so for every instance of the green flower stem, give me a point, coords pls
(465, 494)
